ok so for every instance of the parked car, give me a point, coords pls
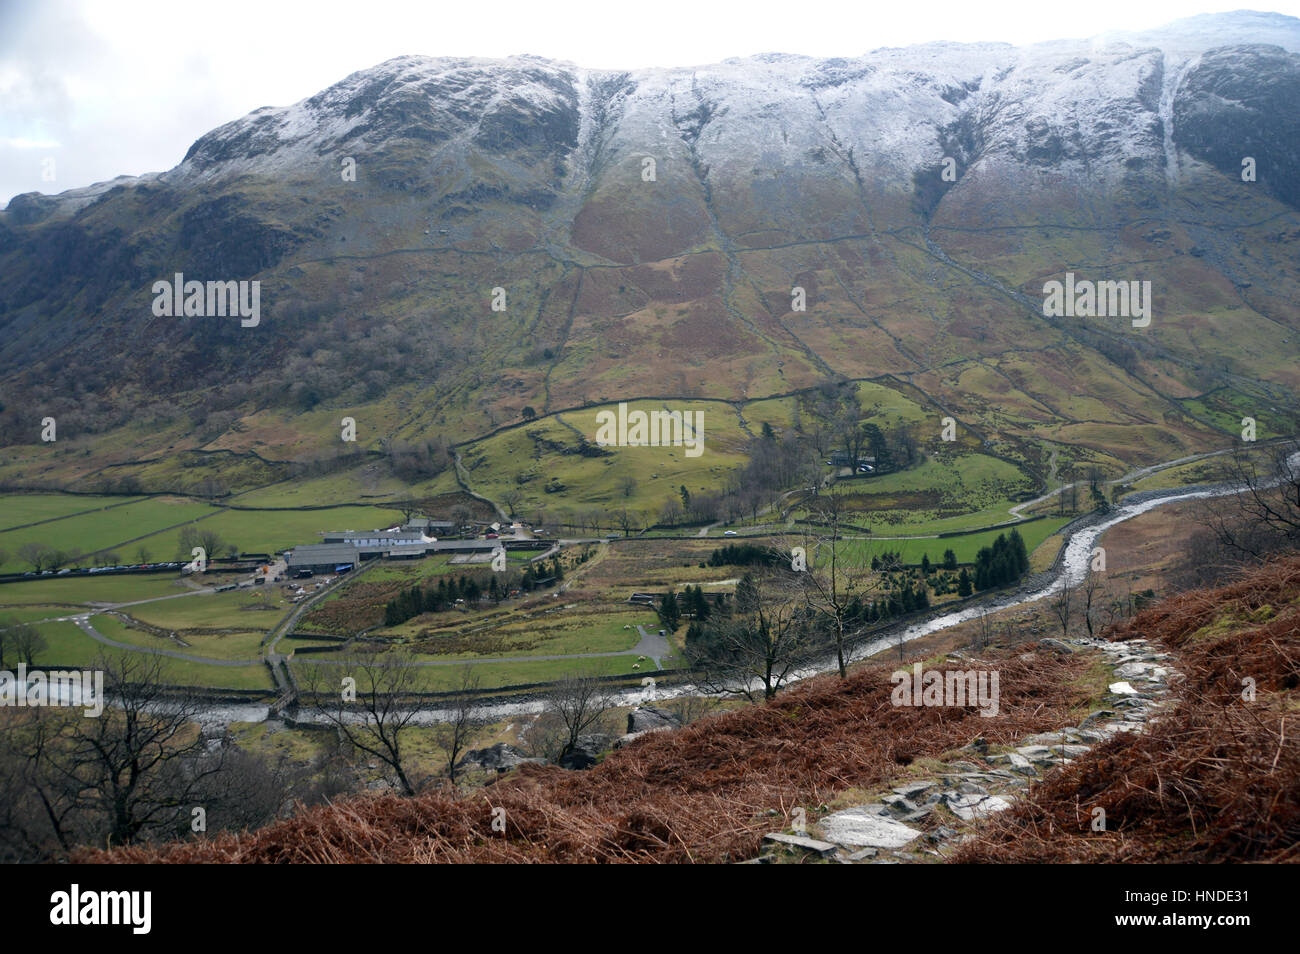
(730, 533)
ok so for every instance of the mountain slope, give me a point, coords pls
(1116, 159)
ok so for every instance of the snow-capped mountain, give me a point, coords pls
(649, 225)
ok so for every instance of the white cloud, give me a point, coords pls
(10, 142)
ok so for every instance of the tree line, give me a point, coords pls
(1003, 563)
(415, 600)
(744, 554)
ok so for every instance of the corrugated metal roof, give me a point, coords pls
(469, 546)
(426, 522)
(373, 537)
(416, 549)
(313, 554)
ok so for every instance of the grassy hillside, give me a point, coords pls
(1215, 780)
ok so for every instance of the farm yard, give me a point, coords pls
(219, 637)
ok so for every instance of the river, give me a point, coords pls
(1072, 568)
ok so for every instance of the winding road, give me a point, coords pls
(1072, 566)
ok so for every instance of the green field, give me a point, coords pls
(269, 531)
(234, 609)
(542, 454)
(67, 645)
(988, 517)
(409, 572)
(541, 636)
(1225, 409)
(226, 646)
(965, 547)
(101, 530)
(20, 509)
(184, 671)
(1209, 470)
(493, 675)
(89, 589)
(245, 645)
(27, 614)
(157, 521)
(956, 492)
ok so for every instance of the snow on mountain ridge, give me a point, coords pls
(891, 106)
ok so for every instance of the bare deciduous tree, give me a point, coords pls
(1266, 514)
(576, 704)
(672, 512)
(37, 555)
(1091, 595)
(511, 497)
(134, 771)
(1062, 605)
(212, 543)
(625, 520)
(26, 641)
(753, 653)
(690, 708)
(828, 584)
(452, 736)
(374, 712)
(983, 633)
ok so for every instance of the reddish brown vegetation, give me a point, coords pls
(1217, 779)
(702, 793)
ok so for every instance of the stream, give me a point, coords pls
(1072, 568)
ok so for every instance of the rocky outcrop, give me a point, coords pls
(501, 757)
(646, 719)
(926, 818)
(586, 753)
(649, 718)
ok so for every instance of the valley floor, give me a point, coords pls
(1213, 777)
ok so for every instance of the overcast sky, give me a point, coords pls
(109, 88)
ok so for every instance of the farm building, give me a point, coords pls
(326, 557)
(407, 551)
(431, 527)
(374, 538)
(357, 548)
(841, 459)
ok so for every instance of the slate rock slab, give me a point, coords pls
(863, 828)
